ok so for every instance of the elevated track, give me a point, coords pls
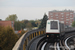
(35, 40)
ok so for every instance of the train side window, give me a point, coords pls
(54, 25)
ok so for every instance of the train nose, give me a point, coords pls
(52, 35)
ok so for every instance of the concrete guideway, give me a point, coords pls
(33, 44)
(27, 39)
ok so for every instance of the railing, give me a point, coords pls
(22, 43)
(69, 29)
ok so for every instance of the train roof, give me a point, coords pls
(55, 20)
(52, 20)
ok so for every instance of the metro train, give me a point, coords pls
(54, 29)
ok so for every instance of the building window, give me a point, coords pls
(62, 13)
(12, 23)
(66, 17)
(71, 16)
(56, 15)
(50, 13)
(62, 21)
(51, 16)
(62, 16)
(67, 14)
(66, 22)
(70, 23)
(71, 13)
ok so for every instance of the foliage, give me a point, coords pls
(29, 25)
(22, 32)
(7, 38)
(11, 18)
(25, 21)
(73, 24)
(19, 25)
(33, 23)
(0, 19)
(43, 23)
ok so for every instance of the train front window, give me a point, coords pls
(54, 25)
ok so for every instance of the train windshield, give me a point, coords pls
(54, 25)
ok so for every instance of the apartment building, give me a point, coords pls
(7, 23)
(65, 16)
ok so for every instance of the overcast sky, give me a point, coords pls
(32, 9)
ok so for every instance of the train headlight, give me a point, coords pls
(47, 35)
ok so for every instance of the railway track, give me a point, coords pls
(70, 42)
(67, 44)
(50, 46)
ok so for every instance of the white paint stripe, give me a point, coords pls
(43, 46)
(66, 42)
(58, 46)
(55, 46)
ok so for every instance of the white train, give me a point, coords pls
(54, 29)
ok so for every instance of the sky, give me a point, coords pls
(33, 9)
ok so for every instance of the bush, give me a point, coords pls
(7, 38)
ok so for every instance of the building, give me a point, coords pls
(7, 23)
(66, 16)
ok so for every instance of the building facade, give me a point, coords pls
(7, 23)
(66, 16)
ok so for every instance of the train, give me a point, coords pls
(54, 30)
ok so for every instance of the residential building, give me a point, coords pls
(65, 16)
(7, 23)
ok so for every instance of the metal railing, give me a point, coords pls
(22, 43)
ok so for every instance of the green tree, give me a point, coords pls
(11, 18)
(33, 23)
(25, 21)
(7, 38)
(43, 23)
(29, 25)
(18, 25)
(73, 24)
(0, 19)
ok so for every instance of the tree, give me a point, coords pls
(29, 25)
(73, 24)
(7, 38)
(33, 23)
(43, 23)
(11, 18)
(25, 21)
(17, 25)
(0, 19)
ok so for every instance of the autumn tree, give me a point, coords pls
(12, 17)
(7, 38)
